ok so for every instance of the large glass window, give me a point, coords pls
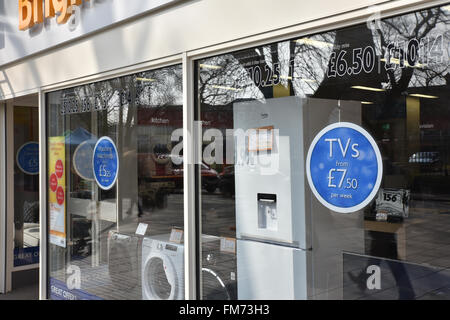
(115, 188)
(268, 231)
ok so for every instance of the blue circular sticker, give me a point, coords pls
(27, 158)
(105, 163)
(344, 167)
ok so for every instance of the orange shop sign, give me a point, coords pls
(33, 12)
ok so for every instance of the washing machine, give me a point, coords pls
(162, 269)
(218, 271)
(124, 260)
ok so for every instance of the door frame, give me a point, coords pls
(3, 197)
(8, 225)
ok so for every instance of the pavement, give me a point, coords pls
(25, 286)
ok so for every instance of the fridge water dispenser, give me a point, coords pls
(267, 211)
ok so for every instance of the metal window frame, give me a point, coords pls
(9, 218)
(192, 207)
(2, 197)
(43, 258)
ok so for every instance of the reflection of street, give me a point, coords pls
(96, 281)
(428, 233)
(422, 268)
(218, 220)
(425, 243)
(218, 215)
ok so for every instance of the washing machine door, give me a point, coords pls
(160, 278)
(213, 286)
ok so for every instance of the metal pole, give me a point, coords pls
(43, 236)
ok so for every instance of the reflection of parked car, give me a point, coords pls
(425, 157)
(81, 236)
(226, 183)
(427, 160)
(210, 177)
(155, 185)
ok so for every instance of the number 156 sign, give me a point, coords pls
(344, 167)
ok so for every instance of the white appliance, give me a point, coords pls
(124, 262)
(162, 269)
(218, 270)
(274, 228)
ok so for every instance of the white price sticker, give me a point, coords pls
(176, 236)
(141, 229)
(228, 245)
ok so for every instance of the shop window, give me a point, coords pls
(115, 200)
(268, 229)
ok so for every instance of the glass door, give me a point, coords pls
(26, 186)
(22, 196)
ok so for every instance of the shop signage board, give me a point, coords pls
(56, 193)
(27, 158)
(48, 23)
(344, 167)
(105, 163)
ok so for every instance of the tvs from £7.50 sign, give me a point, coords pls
(344, 167)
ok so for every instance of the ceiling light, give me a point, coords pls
(145, 79)
(223, 87)
(397, 61)
(209, 66)
(290, 78)
(366, 102)
(315, 43)
(418, 95)
(368, 88)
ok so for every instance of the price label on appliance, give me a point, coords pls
(105, 163)
(344, 167)
(176, 235)
(228, 245)
(27, 158)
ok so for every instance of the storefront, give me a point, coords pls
(212, 150)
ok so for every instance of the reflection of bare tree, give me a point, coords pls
(425, 26)
(307, 59)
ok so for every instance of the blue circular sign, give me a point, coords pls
(105, 163)
(344, 167)
(27, 158)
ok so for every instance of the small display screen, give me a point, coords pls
(171, 247)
